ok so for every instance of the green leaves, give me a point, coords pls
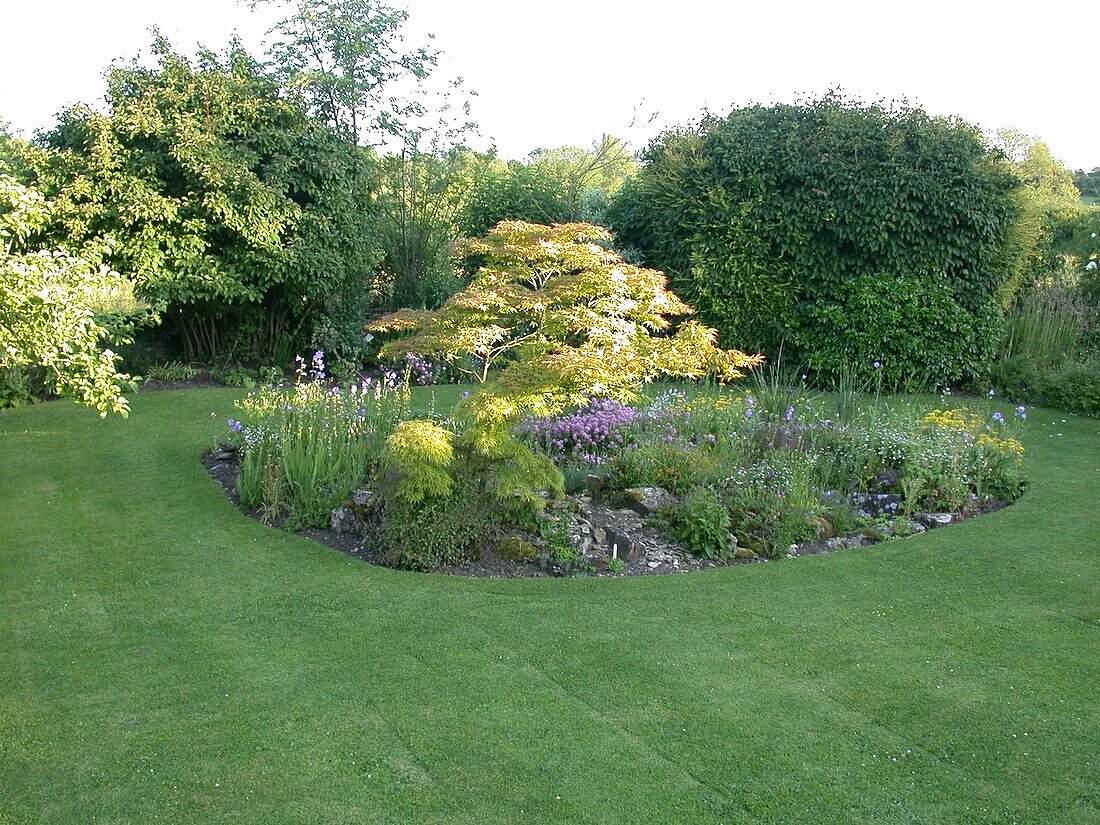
(48, 303)
(774, 208)
(227, 205)
(551, 317)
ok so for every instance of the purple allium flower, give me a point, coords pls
(1000, 419)
(235, 426)
(877, 365)
(1021, 411)
(789, 414)
(465, 395)
(748, 412)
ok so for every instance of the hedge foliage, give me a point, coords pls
(768, 217)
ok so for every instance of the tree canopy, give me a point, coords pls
(247, 220)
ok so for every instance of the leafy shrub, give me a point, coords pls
(419, 454)
(439, 531)
(771, 503)
(233, 375)
(171, 372)
(674, 467)
(763, 214)
(911, 327)
(702, 524)
(515, 548)
(616, 566)
(249, 221)
(1070, 384)
(51, 324)
(559, 556)
(563, 319)
(20, 386)
(1073, 385)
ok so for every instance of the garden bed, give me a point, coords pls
(616, 534)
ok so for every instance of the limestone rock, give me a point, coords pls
(648, 501)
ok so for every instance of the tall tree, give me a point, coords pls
(345, 57)
(244, 217)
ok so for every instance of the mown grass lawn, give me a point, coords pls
(165, 658)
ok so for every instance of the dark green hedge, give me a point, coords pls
(771, 220)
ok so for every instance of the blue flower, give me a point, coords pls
(235, 426)
(1000, 419)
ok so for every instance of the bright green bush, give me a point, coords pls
(903, 331)
(419, 455)
(552, 316)
(1071, 383)
(53, 336)
(760, 215)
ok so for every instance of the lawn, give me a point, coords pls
(165, 658)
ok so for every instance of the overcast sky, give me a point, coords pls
(563, 72)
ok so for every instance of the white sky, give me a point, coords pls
(565, 71)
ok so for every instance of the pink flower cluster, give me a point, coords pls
(591, 433)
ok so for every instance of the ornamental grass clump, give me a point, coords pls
(305, 448)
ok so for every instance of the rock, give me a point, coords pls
(594, 484)
(744, 553)
(350, 518)
(622, 527)
(647, 501)
(581, 542)
(346, 521)
(599, 535)
(361, 498)
(931, 520)
(227, 454)
(873, 505)
(653, 564)
(885, 481)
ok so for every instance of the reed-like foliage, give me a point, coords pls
(1045, 324)
(305, 448)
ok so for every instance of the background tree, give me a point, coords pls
(1088, 183)
(561, 185)
(1047, 201)
(247, 220)
(344, 57)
